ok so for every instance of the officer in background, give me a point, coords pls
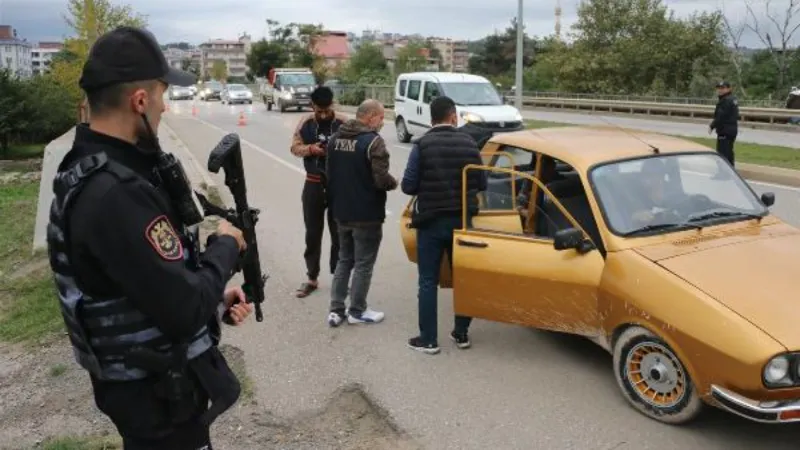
(726, 121)
(139, 301)
(308, 142)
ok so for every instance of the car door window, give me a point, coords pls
(414, 89)
(431, 92)
(401, 88)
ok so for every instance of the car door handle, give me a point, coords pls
(475, 244)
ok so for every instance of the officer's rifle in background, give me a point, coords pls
(228, 156)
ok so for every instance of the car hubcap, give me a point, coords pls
(656, 375)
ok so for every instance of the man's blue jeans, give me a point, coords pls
(434, 238)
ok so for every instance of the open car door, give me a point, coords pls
(547, 282)
(504, 219)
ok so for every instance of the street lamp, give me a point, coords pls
(518, 93)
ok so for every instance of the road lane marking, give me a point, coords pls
(264, 152)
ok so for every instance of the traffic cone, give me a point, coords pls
(167, 108)
(242, 121)
(194, 109)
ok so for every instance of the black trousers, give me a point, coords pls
(725, 147)
(315, 210)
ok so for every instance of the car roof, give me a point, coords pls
(584, 146)
(443, 77)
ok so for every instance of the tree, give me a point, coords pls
(88, 19)
(367, 65)
(92, 18)
(14, 113)
(297, 41)
(777, 33)
(638, 47)
(265, 55)
(219, 70)
(497, 56)
(411, 58)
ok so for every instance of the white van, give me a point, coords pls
(477, 103)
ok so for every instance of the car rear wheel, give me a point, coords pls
(402, 131)
(653, 379)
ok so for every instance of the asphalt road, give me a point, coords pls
(515, 389)
(676, 127)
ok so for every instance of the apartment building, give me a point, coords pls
(333, 47)
(233, 52)
(15, 53)
(455, 54)
(175, 57)
(42, 56)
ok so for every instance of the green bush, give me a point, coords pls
(34, 110)
(353, 96)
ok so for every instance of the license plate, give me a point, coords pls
(303, 102)
(502, 124)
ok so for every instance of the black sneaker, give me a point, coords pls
(461, 340)
(416, 343)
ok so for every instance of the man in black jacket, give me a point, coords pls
(140, 303)
(433, 174)
(358, 179)
(726, 119)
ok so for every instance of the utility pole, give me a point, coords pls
(518, 93)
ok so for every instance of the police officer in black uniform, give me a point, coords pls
(140, 302)
(726, 121)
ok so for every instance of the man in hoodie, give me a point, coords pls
(358, 179)
(309, 141)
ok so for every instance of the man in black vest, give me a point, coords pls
(140, 302)
(433, 174)
(309, 141)
(726, 121)
(358, 179)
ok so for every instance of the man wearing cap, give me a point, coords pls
(726, 119)
(139, 301)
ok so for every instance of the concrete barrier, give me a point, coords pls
(56, 150)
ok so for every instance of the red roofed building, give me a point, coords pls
(333, 47)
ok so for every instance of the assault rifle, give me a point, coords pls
(228, 156)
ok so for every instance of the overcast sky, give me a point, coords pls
(187, 20)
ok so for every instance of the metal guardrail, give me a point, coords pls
(776, 116)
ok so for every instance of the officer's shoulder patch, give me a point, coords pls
(164, 239)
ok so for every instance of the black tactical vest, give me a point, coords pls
(102, 331)
(354, 197)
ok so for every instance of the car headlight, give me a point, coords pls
(518, 117)
(471, 117)
(776, 372)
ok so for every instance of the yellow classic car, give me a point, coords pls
(651, 246)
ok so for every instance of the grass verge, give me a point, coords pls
(25, 151)
(28, 308)
(764, 155)
(83, 443)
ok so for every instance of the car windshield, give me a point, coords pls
(665, 193)
(297, 78)
(472, 94)
(237, 87)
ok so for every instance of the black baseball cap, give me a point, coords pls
(127, 55)
(723, 84)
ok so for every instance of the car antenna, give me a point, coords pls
(652, 147)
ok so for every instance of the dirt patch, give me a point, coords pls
(21, 165)
(45, 395)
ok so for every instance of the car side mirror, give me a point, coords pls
(571, 238)
(768, 199)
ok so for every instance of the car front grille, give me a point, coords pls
(501, 125)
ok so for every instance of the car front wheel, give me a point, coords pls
(402, 131)
(653, 378)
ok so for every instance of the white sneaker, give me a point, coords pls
(334, 319)
(368, 316)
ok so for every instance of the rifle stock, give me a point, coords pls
(227, 155)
